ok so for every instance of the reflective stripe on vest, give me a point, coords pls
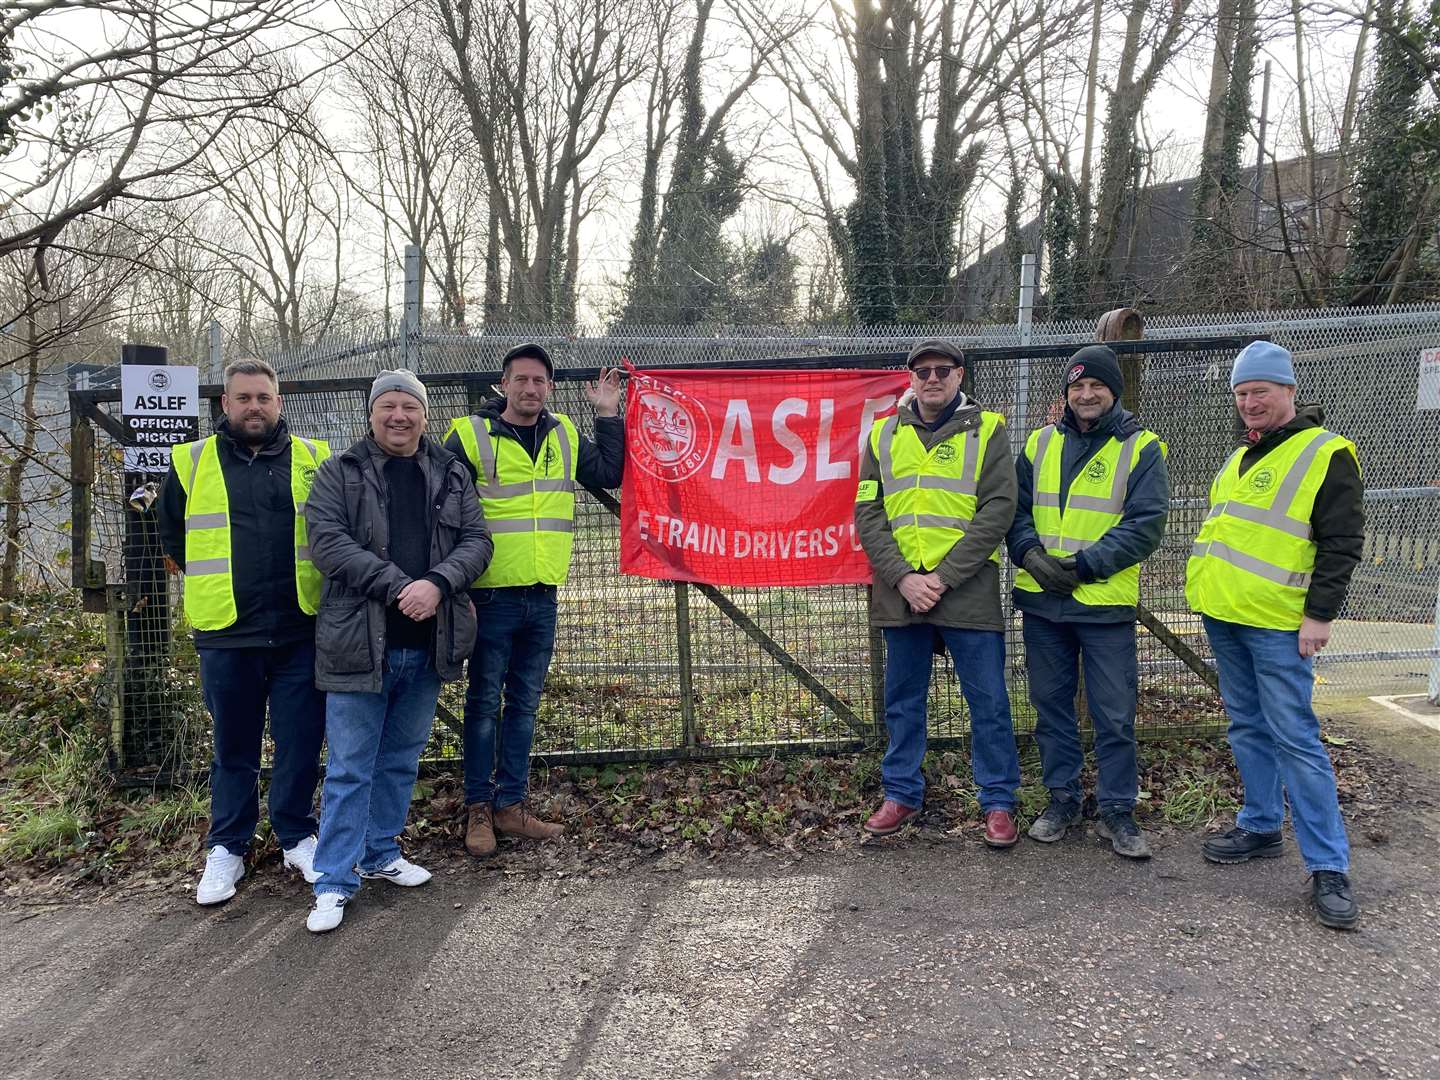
(529, 503)
(209, 584)
(1094, 504)
(930, 495)
(1252, 560)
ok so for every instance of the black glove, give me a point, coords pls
(1054, 575)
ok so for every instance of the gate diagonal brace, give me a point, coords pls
(801, 674)
(1187, 656)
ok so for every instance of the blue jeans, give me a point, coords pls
(1053, 652)
(512, 653)
(375, 744)
(1266, 685)
(979, 657)
(238, 683)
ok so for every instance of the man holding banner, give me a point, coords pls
(935, 500)
(525, 462)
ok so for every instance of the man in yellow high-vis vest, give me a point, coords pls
(1094, 492)
(935, 498)
(1269, 572)
(526, 462)
(231, 518)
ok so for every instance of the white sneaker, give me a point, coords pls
(222, 871)
(400, 872)
(302, 857)
(329, 909)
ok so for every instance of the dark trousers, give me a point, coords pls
(512, 654)
(1052, 653)
(238, 684)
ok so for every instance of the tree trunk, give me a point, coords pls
(15, 474)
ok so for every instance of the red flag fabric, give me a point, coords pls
(748, 477)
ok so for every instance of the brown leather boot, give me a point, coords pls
(516, 820)
(479, 830)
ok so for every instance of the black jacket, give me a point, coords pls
(1337, 522)
(1132, 540)
(599, 464)
(262, 542)
(349, 532)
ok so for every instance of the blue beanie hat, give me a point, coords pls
(1264, 361)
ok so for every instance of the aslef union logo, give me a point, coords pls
(674, 433)
(159, 380)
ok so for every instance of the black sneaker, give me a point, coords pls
(1241, 845)
(1118, 826)
(1058, 816)
(1334, 906)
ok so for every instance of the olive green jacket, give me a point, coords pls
(972, 579)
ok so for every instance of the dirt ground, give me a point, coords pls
(924, 956)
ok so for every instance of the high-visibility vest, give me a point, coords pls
(529, 503)
(1252, 560)
(209, 585)
(930, 495)
(1094, 505)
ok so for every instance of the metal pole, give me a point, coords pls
(413, 269)
(1434, 690)
(683, 655)
(1020, 420)
(217, 362)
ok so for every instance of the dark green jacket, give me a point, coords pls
(972, 579)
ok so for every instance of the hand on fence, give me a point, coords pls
(1314, 635)
(604, 392)
(418, 600)
(1053, 575)
(921, 591)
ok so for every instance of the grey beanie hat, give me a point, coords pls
(400, 379)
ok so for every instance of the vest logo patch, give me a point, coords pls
(1097, 470)
(945, 453)
(307, 475)
(1262, 479)
(675, 433)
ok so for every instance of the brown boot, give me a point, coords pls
(479, 830)
(516, 820)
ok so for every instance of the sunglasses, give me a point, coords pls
(940, 372)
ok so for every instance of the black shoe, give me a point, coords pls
(1058, 816)
(1241, 845)
(1118, 826)
(1334, 906)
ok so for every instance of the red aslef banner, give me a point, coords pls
(748, 477)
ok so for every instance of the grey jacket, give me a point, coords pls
(349, 533)
(972, 580)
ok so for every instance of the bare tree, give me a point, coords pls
(924, 71)
(540, 84)
(127, 113)
(285, 208)
(414, 162)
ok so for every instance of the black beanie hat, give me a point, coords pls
(1096, 362)
(531, 351)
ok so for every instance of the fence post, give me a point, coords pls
(1434, 688)
(148, 724)
(413, 269)
(683, 656)
(217, 364)
(1023, 322)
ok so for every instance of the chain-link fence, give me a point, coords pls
(651, 669)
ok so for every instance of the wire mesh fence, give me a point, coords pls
(654, 669)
